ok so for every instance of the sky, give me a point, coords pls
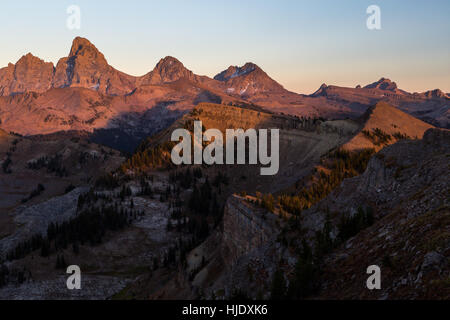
(301, 44)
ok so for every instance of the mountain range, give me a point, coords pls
(83, 92)
(362, 180)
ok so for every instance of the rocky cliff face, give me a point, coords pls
(168, 70)
(241, 255)
(87, 67)
(235, 71)
(245, 229)
(28, 74)
(248, 80)
(383, 84)
(434, 94)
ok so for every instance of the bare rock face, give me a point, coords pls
(383, 84)
(244, 229)
(248, 80)
(6, 77)
(235, 71)
(93, 288)
(322, 91)
(28, 74)
(87, 67)
(435, 94)
(35, 219)
(433, 260)
(168, 70)
(227, 74)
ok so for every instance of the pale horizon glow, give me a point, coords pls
(300, 44)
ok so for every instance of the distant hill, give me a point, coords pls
(383, 125)
(432, 106)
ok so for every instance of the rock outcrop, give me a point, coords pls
(248, 80)
(28, 74)
(168, 70)
(245, 229)
(87, 67)
(383, 84)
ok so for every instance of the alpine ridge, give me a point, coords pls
(83, 92)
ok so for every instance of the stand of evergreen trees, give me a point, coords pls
(306, 278)
(202, 209)
(91, 197)
(146, 189)
(149, 158)
(380, 138)
(53, 164)
(88, 227)
(340, 164)
(108, 181)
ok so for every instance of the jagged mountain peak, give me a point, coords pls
(82, 47)
(81, 44)
(29, 57)
(250, 67)
(30, 73)
(321, 91)
(169, 65)
(235, 71)
(436, 93)
(383, 84)
(87, 67)
(248, 80)
(169, 61)
(168, 69)
(30, 63)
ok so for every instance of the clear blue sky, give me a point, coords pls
(301, 44)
